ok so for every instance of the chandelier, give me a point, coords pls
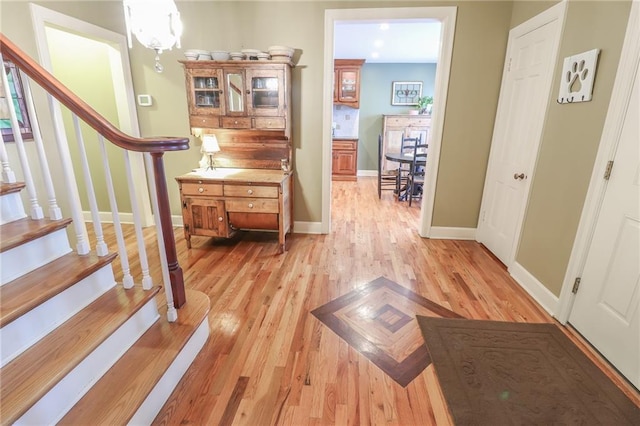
(155, 23)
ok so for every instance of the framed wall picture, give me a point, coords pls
(14, 93)
(405, 92)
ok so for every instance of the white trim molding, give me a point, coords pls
(535, 288)
(620, 98)
(447, 233)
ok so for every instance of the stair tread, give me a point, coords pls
(30, 290)
(8, 188)
(33, 373)
(115, 398)
(21, 231)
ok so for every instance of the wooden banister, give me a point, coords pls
(156, 146)
(59, 91)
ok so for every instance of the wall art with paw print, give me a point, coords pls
(578, 75)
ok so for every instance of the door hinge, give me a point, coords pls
(607, 171)
(509, 66)
(576, 286)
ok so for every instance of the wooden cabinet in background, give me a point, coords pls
(239, 95)
(344, 164)
(346, 84)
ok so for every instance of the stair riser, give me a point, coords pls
(20, 334)
(163, 389)
(59, 400)
(11, 208)
(32, 255)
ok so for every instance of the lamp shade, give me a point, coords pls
(209, 144)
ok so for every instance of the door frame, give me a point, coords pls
(447, 17)
(42, 17)
(620, 97)
(556, 12)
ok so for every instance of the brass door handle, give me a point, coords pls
(520, 176)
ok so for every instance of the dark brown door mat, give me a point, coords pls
(500, 373)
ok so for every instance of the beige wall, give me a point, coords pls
(569, 143)
(570, 137)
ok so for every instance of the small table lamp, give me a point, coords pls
(210, 147)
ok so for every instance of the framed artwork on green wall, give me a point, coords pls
(19, 102)
(406, 92)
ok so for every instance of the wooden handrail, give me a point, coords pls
(52, 85)
(155, 146)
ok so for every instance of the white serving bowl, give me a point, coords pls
(220, 55)
(281, 51)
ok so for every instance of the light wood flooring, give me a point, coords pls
(268, 360)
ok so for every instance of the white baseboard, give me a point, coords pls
(307, 227)
(107, 217)
(367, 173)
(446, 233)
(535, 288)
(176, 220)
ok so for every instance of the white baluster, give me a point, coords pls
(127, 279)
(147, 282)
(101, 246)
(54, 210)
(7, 173)
(36, 210)
(82, 241)
(172, 313)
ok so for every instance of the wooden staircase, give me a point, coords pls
(76, 347)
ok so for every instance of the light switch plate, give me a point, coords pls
(145, 100)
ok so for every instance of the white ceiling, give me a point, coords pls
(404, 41)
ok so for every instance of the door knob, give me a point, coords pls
(518, 176)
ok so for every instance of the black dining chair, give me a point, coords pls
(386, 178)
(407, 148)
(417, 171)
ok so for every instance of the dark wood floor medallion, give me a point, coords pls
(379, 320)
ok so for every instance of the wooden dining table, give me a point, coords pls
(403, 158)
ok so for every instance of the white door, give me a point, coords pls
(606, 307)
(525, 91)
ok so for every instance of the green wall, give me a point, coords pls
(375, 100)
(570, 137)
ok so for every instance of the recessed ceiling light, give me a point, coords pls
(378, 43)
(384, 26)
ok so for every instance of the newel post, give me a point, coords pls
(175, 271)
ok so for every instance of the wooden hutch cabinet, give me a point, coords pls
(238, 94)
(346, 82)
(247, 105)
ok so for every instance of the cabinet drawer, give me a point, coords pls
(252, 205)
(269, 122)
(204, 121)
(251, 191)
(408, 121)
(195, 188)
(344, 145)
(236, 122)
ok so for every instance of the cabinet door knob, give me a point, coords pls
(250, 191)
(250, 205)
(235, 122)
(219, 218)
(201, 190)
